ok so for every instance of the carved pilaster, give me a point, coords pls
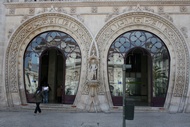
(93, 102)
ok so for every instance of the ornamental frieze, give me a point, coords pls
(161, 27)
(97, 3)
(54, 20)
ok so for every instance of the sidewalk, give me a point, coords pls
(26, 118)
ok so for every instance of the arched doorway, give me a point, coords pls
(137, 78)
(147, 80)
(54, 58)
(52, 71)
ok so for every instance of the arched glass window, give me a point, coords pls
(147, 80)
(52, 52)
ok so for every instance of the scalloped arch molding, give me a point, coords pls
(171, 36)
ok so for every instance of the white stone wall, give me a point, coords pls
(2, 54)
(94, 16)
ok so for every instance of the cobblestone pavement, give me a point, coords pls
(26, 118)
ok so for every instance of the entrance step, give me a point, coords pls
(54, 107)
(73, 108)
(139, 109)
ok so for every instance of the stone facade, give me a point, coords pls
(3, 98)
(94, 24)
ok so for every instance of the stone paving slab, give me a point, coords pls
(74, 119)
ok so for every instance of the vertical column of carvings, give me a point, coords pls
(13, 60)
(2, 47)
(101, 40)
(2, 34)
(182, 55)
(182, 73)
(180, 79)
(180, 48)
(101, 87)
(94, 51)
(12, 68)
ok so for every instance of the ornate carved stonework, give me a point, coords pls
(109, 16)
(32, 27)
(52, 9)
(116, 10)
(85, 89)
(167, 16)
(93, 66)
(12, 11)
(140, 8)
(184, 30)
(162, 28)
(121, 16)
(24, 18)
(100, 3)
(31, 11)
(128, 9)
(10, 32)
(73, 10)
(61, 10)
(93, 81)
(79, 17)
(93, 103)
(114, 13)
(160, 9)
(94, 9)
(183, 9)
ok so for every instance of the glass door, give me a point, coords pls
(160, 78)
(53, 57)
(52, 72)
(147, 81)
(137, 77)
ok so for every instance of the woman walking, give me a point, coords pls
(38, 97)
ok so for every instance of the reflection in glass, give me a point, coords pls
(31, 73)
(115, 76)
(69, 48)
(160, 74)
(73, 66)
(117, 55)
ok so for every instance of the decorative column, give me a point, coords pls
(93, 83)
(94, 103)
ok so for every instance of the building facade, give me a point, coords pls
(78, 48)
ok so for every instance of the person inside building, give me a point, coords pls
(59, 93)
(46, 89)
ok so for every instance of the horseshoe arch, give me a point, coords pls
(18, 42)
(169, 34)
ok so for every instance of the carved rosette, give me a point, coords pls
(161, 27)
(34, 26)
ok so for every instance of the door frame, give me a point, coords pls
(151, 101)
(40, 79)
